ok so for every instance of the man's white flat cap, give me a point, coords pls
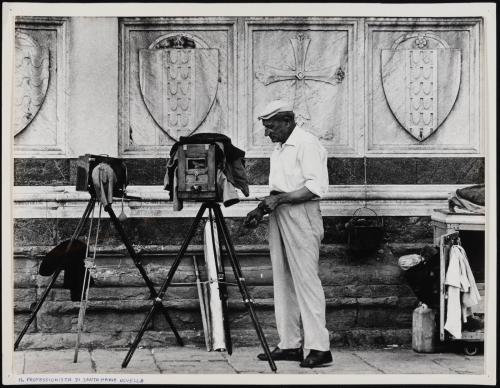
(275, 107)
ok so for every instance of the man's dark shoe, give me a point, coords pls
(317, 358)
(283, 355)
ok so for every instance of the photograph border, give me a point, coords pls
(485, 10)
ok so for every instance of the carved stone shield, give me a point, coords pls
(31, 80)
(421, 85)
(179, 87)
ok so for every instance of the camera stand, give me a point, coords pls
(131, 251)
(222, 227)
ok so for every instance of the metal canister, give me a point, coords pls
(424, 331)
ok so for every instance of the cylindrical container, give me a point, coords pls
(424, 329)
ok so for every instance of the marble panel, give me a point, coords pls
(345, 171)
(308, 62)
(39, 172)
(341, 171)
(143, 129)
(40, 103)
(450, 103)
(450, 170)
(146, 171)
(400, 171)
(29, 232)
(72, 171)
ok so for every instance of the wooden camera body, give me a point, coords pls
(85, 164)
(196, 172)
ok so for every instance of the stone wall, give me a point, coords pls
(347, 78)
(368, 300)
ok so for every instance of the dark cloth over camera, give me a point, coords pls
(227, 156)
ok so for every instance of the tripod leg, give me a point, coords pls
(221, 277)
(139, 266)
(219, 219)
(75, 235)
(37, 307)
(165, 285)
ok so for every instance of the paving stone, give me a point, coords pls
(196, 360)
(57, 361)
(142, 361)
(459, 363)
(345, 362)
(195, 367)
(245, 361)
(186, 353)
(19, 362)
(401, 361)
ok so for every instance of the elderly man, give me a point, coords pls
(298, 178)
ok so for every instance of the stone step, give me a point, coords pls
(362, 294)
(125, 315)
(118, 270)
(241, 337)
(338, 295)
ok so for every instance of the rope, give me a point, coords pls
(86, 284)
(90, 230)
(365, 186)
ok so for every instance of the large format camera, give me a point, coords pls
(196, 172)
(206, 167)
(86, 164)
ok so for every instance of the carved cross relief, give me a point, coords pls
(299, 75)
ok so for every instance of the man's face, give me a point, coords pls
(277, 129)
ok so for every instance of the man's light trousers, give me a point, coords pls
(295, 234)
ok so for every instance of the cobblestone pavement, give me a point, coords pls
(196, 360)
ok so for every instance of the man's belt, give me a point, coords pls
(275, 192)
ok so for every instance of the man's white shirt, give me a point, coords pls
(300, 161)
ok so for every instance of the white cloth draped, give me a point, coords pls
(461, 289)
(216, 318)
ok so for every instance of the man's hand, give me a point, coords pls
(269, 203)
(254, 217)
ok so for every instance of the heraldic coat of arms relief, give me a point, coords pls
(178, 78)
(421, 80)
(32, 79)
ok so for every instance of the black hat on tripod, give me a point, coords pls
(71, 261)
